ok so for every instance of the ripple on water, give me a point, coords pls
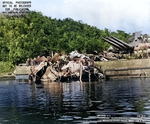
(66, 118)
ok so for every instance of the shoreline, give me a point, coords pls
(7, 75)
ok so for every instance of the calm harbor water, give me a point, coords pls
(87, 102)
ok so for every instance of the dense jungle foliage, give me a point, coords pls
(29, 36)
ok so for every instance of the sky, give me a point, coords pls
(126, 15)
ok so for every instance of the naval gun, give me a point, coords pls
(136, 38)
(119, 44)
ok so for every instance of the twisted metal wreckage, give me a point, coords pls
(63, 68)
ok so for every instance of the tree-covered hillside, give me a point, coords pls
(24, 37)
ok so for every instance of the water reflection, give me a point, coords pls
(56, 102)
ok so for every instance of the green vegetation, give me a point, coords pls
(24, 37)
(6, 67)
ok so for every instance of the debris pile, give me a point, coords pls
(63, 68)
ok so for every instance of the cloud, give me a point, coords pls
(112, 14)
